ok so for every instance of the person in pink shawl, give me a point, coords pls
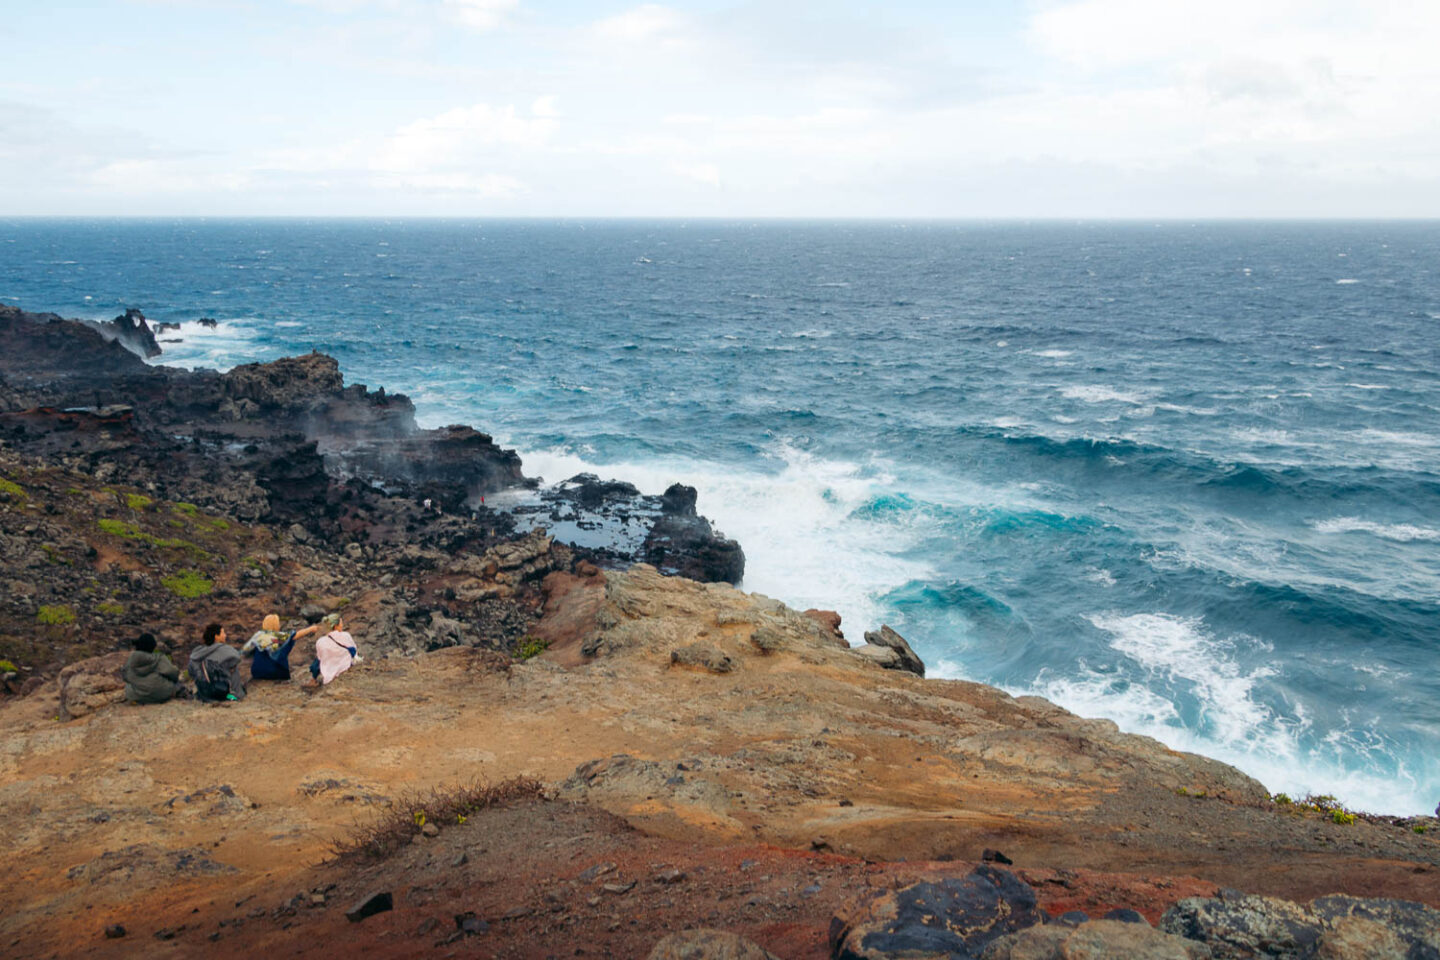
(334, 653)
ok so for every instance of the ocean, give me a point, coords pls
(1185, 476)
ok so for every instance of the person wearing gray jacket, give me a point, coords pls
(216, 652)
(150, 677)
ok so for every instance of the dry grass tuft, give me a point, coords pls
(445, 806)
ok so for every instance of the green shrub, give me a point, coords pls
(128, 531)
(1419, 828)
(137, 501)
(1282, 800)
(12, 488)
(119, 528)
(188, 584)
(110, 609)
(1342, 817)
(7, 667)
(185, 509)
(527, 647)
(55, 616)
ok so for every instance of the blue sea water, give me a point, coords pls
(1185, 476)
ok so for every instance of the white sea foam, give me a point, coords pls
(1238, 728)
(1347, 281)
(1054, 354)
(1402, 532)
(816, 334)
(228, 343)
(801, 543)
(289, 323)
(1370, 386)
(1100, 393)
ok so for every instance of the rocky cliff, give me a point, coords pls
(540, 756)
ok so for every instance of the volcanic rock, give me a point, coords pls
(955, 918)
(1243, 926)
(705, 944)
(92, 684)
(703, 655)
(368, 906)
(905, 657)
(1096, 940)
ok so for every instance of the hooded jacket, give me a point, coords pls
(150, 677)
(225, 655)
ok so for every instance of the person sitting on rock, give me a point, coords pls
(215, 668)
(271, 648)
(334, 653)
(150, 677)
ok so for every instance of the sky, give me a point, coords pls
(985, 109)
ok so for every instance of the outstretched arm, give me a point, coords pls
(313, 628)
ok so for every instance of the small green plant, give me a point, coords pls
(528, 647)
(188, 584)
(119, 528)
(12, 488)
(110, 609)
(395, 827)
(55, 616)
(1419, 828)
(7, 667)
(128, 531)
(1322, 801)
(54, 556)
(138, 501)
(1282, 800)
(1342, 817)
(192, 512)
(1182, 791)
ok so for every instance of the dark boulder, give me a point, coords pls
(370, 905)
(905, 657)
(133, 332)
(954, 918)
(687, 546)
(679, 500)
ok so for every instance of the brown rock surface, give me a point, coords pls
(708, 945)
(814, 768)
(1097, 940)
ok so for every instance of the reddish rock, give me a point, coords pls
(829, 620)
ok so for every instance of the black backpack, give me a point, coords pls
(212, 681)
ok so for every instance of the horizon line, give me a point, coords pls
(736, 218)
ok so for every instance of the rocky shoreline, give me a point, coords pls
(706, 758)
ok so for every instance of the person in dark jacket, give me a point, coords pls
(150, 677)
(215, 650)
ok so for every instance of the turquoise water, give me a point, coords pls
(1183, 476)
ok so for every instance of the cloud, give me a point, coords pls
(480, 14)
(706, 173)
(649, 23)
(457, 137)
